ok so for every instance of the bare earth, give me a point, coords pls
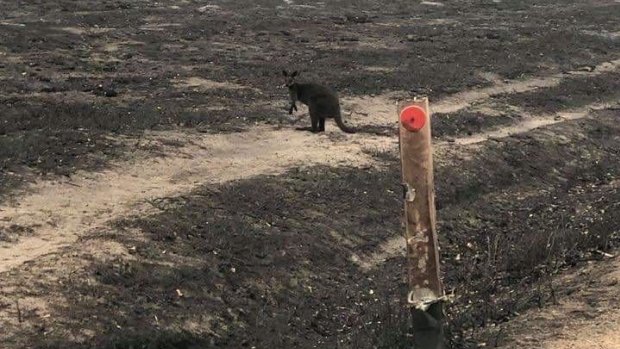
(587, 318)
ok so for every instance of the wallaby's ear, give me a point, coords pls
(294, 74)
(284, 73)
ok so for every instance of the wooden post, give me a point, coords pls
(425, 289)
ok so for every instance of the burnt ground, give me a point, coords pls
(74, 74)
(266, 261)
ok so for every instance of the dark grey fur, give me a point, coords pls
(322, 103)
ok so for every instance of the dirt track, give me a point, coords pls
(145, 221)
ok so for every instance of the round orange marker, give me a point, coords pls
(413, 118)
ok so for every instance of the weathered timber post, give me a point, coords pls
(425, 289)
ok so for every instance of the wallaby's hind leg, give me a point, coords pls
(305, 128)
(321, 124)
(315, 124)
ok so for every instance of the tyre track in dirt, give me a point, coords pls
(465, 99)
(395, 246)
(59, 212)
(532, 122)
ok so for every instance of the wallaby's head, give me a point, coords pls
(289, 79)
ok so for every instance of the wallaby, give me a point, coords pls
(322, 103)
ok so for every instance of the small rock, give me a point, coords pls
(110, 93)
(207, 8)
(432, 3)
(413, 38)
(492, 36)
(339, 20)
(587, 68)
(358, 18)
(49, 89)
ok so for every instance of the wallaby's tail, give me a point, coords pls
(341, 124)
